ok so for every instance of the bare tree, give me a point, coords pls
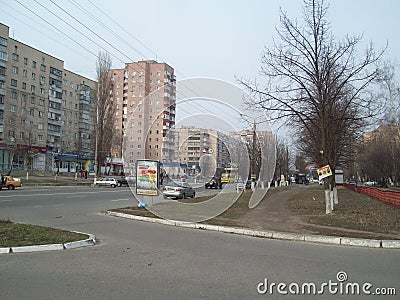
(390, 92)
(378, 155)
(318, 85)
(104, 111)
(282, 158)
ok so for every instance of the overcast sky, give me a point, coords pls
(211, 38)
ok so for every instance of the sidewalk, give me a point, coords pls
(272, 218)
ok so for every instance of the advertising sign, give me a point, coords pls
(324, 172)
(147, 177)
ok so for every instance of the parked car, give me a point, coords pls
(178, 190)
(353, 182)
(10, 182)
(371, 183)
(108, 181)
(122, 181)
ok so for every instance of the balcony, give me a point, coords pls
(54, 122)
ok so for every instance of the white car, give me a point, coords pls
(108, 181)
(179, 190)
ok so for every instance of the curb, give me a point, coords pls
(345, 241)
(90, 241)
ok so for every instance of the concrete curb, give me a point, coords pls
(387, 244)
(90, 241)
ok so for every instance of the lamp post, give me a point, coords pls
(12, 149)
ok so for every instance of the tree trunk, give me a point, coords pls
(328, 206)
(335, 195)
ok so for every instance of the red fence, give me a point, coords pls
(384, 196)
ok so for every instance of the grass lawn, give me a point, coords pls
(15, 235)
(355, 211)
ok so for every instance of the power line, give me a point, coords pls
(79, 44)
(97, 44)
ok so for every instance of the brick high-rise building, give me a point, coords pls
(145, 95)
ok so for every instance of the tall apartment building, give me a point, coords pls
(46, 112)
(145, 94)
(192, 143)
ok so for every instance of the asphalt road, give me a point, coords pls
(136, 260)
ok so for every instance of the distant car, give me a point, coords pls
(248, 184)
(178, 190)
(211, 184)
(10, 182)
(353, 182)
(122, 181)
(108, 181)
(371, 183)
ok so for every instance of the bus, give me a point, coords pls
(229, 175)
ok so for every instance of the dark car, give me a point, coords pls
(122, 181)
(248, 184)
(211, 184)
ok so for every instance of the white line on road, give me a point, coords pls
(116, 200)
(41, 206)
(6, 200)
(54, 194)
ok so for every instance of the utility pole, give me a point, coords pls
(253, 158)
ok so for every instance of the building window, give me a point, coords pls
(3, 56)
(24, 73)
(33, 76)
(22, 110)
(15, 57)
(32, 113)
(14, 82)
(13, 95)
(12, 121)
(13, 108)
(24, 85)
(33, 88)
(32, 100)
(40, 126)
(33, 64)
(22, 123)
(25, 61)
(41, 102)
(42, 91)
(40, 138)
(43, 68)
(3, 42)
(41, 114)
(14, 70)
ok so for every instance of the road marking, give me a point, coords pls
(6, 200)
(116, 200)
(41, 206)
(54, 194)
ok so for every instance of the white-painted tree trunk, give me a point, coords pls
(335, 195)
(27, 175)
(328, 206)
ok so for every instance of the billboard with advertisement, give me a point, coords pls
(324, 172)
(147, 177)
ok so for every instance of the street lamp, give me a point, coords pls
(12, 149)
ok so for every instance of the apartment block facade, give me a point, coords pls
(46, 111)
(145, 95)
